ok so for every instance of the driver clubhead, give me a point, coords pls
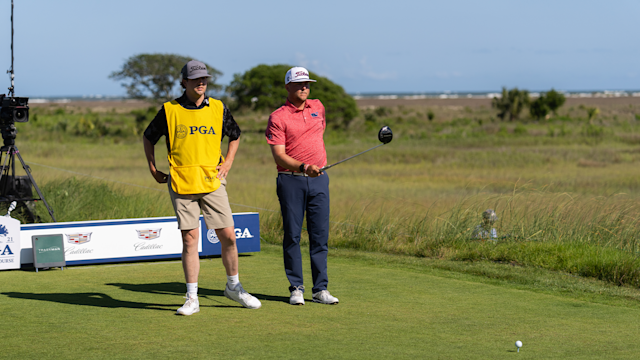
(385, 135)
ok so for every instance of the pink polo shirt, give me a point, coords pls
(300, 131)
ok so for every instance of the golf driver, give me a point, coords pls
(384, 135)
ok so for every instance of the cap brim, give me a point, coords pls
(302, 80)
(198, 76)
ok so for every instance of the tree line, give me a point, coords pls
(156, 77)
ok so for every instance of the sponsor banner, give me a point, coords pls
(247, 230)
(10, 245)
(108, 241)
(48, 250)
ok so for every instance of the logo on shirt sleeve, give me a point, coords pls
(270, 136)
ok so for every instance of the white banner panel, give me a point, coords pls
(10, 244)
(110, 240)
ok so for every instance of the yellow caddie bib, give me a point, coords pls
(194, 138)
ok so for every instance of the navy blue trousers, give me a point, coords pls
(297, 195)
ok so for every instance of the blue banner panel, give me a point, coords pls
(247, 229)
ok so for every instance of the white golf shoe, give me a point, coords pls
(190, 307)
(244, 298)
(324, 297)
(297, 297)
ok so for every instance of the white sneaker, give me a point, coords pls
(244, 298)
(190, 307)
(324, 297)
(297, 297)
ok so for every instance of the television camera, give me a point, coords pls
(16, 188)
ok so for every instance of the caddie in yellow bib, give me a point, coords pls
(195, 136)
(193, 126)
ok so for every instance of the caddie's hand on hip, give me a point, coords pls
(160, 177)
(223, 170)
(313, 171)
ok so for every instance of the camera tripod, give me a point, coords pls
(18, 188)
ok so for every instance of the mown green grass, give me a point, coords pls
(390, 307)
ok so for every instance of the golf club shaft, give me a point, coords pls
(351, 157)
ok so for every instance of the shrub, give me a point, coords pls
(592, 112)
(511, 103)
(431, 115)
(539, 108)
(554, 100)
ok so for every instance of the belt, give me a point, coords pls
(293, 173)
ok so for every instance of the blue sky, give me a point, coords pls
(68, 48)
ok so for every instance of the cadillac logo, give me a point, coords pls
(149, 234)
(78, 238)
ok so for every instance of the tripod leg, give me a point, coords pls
(27, 169)
(6, 158)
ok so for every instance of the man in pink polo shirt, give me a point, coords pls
(295, 133)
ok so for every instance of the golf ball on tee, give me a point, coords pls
(519, 344)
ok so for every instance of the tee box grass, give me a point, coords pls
(385, 311)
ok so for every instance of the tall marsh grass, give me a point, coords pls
(586, 236)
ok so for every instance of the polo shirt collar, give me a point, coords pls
(186, 103)
(293, 109)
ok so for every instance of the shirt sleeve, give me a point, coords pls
(275, 132)
(157, 128)
(230, 127)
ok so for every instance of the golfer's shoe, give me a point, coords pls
(297, 297)
(324, 297)
(244, 298)
(190, 307)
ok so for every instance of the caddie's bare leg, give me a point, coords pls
(229, 249)
(190, 256)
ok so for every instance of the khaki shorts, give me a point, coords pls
(215, 208)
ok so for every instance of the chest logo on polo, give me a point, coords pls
(181, 131)
(315, 114)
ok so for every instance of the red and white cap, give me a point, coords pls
(297, 74)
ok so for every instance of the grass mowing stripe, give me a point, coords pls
(387, 310)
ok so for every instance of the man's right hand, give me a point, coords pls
(160, 177)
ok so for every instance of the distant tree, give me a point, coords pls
(511, 103)
(555, 100)
(156, 77)
(262, 88)
(539, 108)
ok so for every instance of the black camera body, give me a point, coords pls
(12, 109)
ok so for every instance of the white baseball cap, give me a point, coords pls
(297, 74)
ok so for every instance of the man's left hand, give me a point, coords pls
(223, 169)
